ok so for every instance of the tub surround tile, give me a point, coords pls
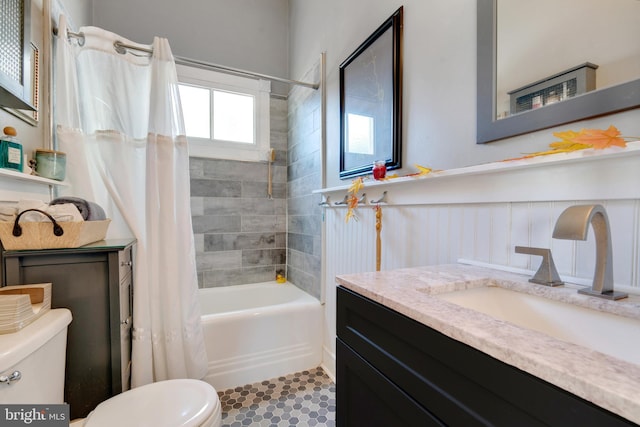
(235, 241)
(213, 242)
(242, 206)
(301, 243)
(215, 260)
(215, 188)
(197, 206)
(606, 381)
(304, 185)
(305, 280)
(279, 173)
(233, 170)
(216, 224)
(279, 113)
(304, 224)
(304, 176)
(214, 278)
(303, 205)
(279, 142)
(198, 240)
(302, 167)
(261, 189)
(255, 223)
(263, 257)
(232, 213)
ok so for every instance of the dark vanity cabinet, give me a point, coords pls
(95, 283)
(394, 371)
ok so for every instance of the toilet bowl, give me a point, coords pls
(38, 353)
(171, 403)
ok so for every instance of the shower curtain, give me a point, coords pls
(118, 118)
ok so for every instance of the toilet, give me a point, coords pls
(37, 352)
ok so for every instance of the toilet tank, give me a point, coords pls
(38, 352)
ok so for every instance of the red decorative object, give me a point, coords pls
(379, 169)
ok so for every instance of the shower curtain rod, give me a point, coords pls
(123, 48)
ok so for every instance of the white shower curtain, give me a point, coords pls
(118, 118)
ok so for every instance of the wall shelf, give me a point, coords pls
(11, 174)
(530, 179)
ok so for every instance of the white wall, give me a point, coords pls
(79, 12)
(439, 123)
(247, 34)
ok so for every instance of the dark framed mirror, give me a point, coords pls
(491, 125)
(371, 101)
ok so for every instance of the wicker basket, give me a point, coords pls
(50, 235)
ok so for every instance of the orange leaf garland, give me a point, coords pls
(600, 139)
(597, 139)
(352, 198)
(356, 185)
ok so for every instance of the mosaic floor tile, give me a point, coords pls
(303, 399)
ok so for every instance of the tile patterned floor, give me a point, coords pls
(302, 399)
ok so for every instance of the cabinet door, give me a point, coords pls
(16, 68)
(81, 284)
(365, 397)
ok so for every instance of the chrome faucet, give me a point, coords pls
(573, 224)
(547, 274)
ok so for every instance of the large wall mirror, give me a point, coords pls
(371, 101)
(550, 62)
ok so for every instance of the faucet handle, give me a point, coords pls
(547, 274)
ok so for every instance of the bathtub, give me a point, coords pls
(259, 331)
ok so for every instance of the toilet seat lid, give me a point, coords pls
(170, 403)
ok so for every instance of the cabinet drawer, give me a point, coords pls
(457, 383)
(364, 397)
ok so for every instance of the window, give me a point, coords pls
(360, 134)
(226, 116)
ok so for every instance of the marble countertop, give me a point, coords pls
(606, 381)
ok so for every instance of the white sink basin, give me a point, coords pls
(607, 333)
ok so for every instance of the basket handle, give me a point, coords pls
(17, 229)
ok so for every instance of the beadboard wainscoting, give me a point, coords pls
(481, 213)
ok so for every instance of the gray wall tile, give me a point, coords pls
(244, 237)
(263, 257)
(240, 232)
(215, 188)
(216, 224)
(304, 240)
(252, 223)
(212, 260)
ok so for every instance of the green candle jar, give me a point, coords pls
(51, 164)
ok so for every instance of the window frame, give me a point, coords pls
(259, 89)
